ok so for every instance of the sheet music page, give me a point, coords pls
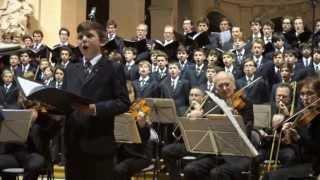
(262, 116)
(225, 36)
(16, 126)
(126, 130)
(28, 86)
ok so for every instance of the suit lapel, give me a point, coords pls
(178, 87)
(94, 71)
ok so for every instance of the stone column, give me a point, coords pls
(50, 16)
(162, 13)
(128, 14)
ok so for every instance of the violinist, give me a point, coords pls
(132, 158)
(286, 154)
(172, 152)
(222, 167)
(305, 133)
(33, 155)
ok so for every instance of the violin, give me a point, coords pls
(237, 100)
(308, 115)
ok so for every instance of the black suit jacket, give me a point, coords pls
(150, 89)
(256, 93)
(193, 78)
(42, 52)
(105, 85)
(156, 76)
(133, 73)
(9, 99)
(31, 68)
(180, 94)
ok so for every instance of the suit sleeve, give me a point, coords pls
(120, 102)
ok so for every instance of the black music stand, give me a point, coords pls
(16, 125)
(163, 112)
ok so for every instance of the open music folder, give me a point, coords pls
(58, 100)
(16, 125)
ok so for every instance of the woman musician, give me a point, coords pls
(304, 131)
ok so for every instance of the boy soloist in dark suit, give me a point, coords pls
(89, 130)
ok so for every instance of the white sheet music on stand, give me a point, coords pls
(16, 126)
(27, 86)
(262, 116)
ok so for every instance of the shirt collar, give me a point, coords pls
(308, 60)
(249, 78)
(37, 46)
(64, 44)
(229, 68)
(162, 70)
(176, 79)
(130, 63)
(199, 67)
(8, 86)
(257, 60)
(94, 60)
(168, 42)
(144, 79)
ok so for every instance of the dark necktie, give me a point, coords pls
(142, 82)
(198, 71)
(172, 84)
(239, 57)
(87, 68)
(6, 87)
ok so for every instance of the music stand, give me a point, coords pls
(215, 135)
(126, 130)
(163, 111)
(262, 116)
(16, 125)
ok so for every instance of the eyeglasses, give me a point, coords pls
(307, 93)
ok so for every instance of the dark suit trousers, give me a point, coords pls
(171, 153)
(128, 167)
(85, 167)
(31, 162)
(217, 168)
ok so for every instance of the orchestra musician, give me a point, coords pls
(172, 152)
(270, 153)
(223, 167)
(304, 131)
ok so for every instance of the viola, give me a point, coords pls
(308, 115)
(237, 100)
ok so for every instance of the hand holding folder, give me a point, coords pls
(59, 100)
